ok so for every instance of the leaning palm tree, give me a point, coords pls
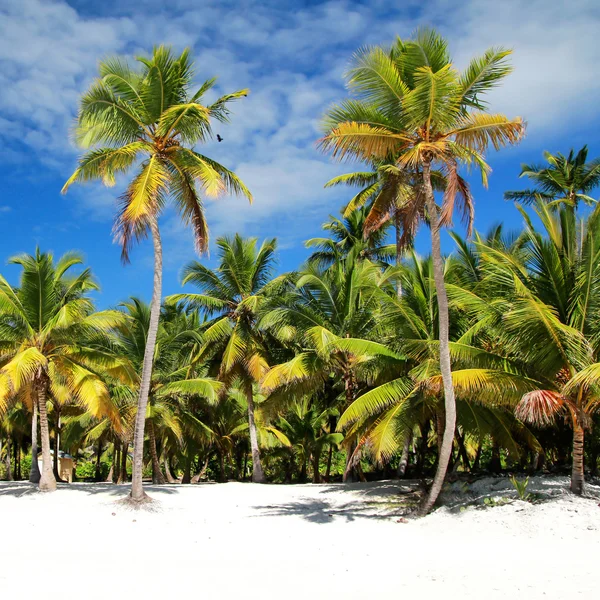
(414, 107)
(565, 181)
(232, 295)
(150, 120)
(48, 332)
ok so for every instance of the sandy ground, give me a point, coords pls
(245, 541)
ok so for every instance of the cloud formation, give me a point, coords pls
(292, 59)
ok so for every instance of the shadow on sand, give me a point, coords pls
(19, 489)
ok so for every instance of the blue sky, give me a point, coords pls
(292, 56)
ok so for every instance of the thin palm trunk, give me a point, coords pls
(444, 334)
(123, 474)
(258, 475)
(97, 474)
(329, 459)
(157, 476)
(116, 462)
(9, 476)
(34, 473)
(137, 489)
(403, 464)
(398, 228)
(577, 474)
(56, 457)
(47, 480)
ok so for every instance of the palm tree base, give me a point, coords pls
(47, 482)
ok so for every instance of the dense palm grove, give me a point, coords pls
(370, 361)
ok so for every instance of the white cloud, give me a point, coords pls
(292, 60)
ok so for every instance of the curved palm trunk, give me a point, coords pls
(444, 326)
(47, 480)
(137, 490)
(168, 473)
(56, 457)
(258, 475)
(577, 475)
(157, 476)
(123, 471)
(34, 473)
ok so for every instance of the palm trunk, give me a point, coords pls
(9, 476)
(577, 474)
(196, 478)
(316, 473)
(137, 489)
(123, 470)
(56, 458)
(444, 333)
(168, 473)
(117, 462)
(34, 473)
(350, 472)
(157, 476)
(47, 480)
(403, 464)
(98, 473)
(397, 228)
(329, 458)
(258, 475)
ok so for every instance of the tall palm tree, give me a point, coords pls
(232, 295)
(564, 181)
(48, 331)
(415, 107)
(173, 376)
(150, 120)
(545, 319)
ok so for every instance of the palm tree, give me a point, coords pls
(319, 310)
(349, 234)
(415, 107)
(151, 120)
(232, 294)
(565, 181)
(173, 375)
(544, 319)
(48, 329)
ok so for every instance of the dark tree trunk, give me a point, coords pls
(444, 333)
(258, 475)
(34, 473)
(7, 460)
(55, 462)
(329, 459)
(98, 474)
(137, 489)
(187, 470)
(315, 465)
(403, 464)
(463, 451)
(495, 462)
(477, 460)
(123, 477)
(245, 466)
(577, 474)
(157, 476)
(222, 471)
(47, 480)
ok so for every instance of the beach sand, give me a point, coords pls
(241, 540)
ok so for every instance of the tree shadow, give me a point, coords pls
(377, 500)
(19, 489)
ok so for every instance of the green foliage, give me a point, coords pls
(520, 486)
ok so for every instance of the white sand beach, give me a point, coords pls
(241, 540)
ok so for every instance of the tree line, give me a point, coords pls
(369, 359)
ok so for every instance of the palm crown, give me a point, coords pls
(152, 119)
